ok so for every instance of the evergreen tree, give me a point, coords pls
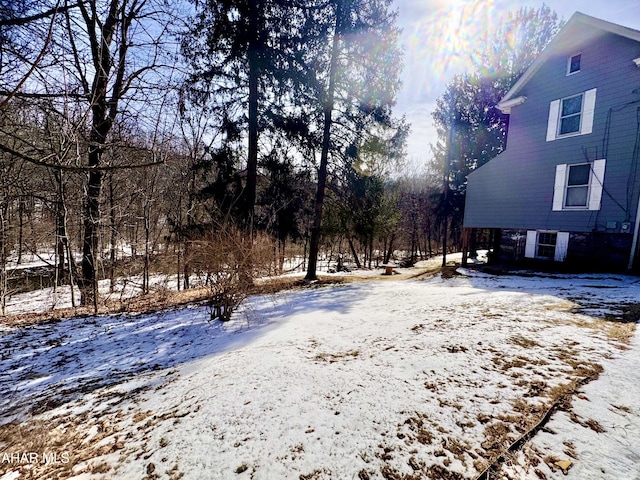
(471, 130)
(351, 79)
(239, 52)
(285, 200)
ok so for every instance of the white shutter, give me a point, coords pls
(559, 186)
(588, 110)
(552, 124)
(530, 246)
(596, 181)
(562, 245)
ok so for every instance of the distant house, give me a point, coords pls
(567, 187)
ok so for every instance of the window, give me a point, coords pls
(579, 186)
(573, 65)
(547, 245)
(571, 115)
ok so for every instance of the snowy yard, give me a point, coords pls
(428, 378)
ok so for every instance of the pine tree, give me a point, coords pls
(471, 129)
(352, 82)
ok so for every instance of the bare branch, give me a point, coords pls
(14, 94)
(35, 64)
(74, 168)
(17, 22)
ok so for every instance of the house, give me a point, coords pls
(567, 187)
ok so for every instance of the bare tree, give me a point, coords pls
(108, 60)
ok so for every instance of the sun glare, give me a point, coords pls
(442, 43)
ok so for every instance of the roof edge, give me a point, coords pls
(505, 105)
(577, 17)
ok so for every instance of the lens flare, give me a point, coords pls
(442, 43)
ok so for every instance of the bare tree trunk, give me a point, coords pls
(389, 250)
(72, 272)
(186, 265)
(61, 230)
(354, 253)
(3, 257)
(147, 253)
(109, 40)
(103, 111)
(413, 243)
(187, 236)
(304, 249)
(21, 208)
(446, 193)
(283, 244)
(324, 156)
(113, 237)
(429, 239)
(88, 284)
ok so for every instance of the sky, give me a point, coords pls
(437, 36)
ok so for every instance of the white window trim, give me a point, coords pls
(562, 245)
(586, 116)
(569, 64)
(567, 187)
(596, 182)
(560, 117)
(539, 243)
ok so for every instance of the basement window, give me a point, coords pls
(546, 247)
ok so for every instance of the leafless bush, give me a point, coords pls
(230, 259)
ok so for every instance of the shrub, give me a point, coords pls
(230, 259)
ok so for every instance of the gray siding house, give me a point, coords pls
(567, 187)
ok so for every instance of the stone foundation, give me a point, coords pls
(596, 251)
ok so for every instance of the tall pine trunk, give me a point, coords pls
(314, 243)
(252, 151)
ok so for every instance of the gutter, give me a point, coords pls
(505, 106)
(634, 244)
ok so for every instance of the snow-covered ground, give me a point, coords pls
(404, 379)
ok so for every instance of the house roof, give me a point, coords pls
(579, 28)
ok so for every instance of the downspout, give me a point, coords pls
(634, 244)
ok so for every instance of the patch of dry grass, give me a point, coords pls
(72, 441)
(523, 342)
(155, 301)
(334, 357)
(622, 332)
